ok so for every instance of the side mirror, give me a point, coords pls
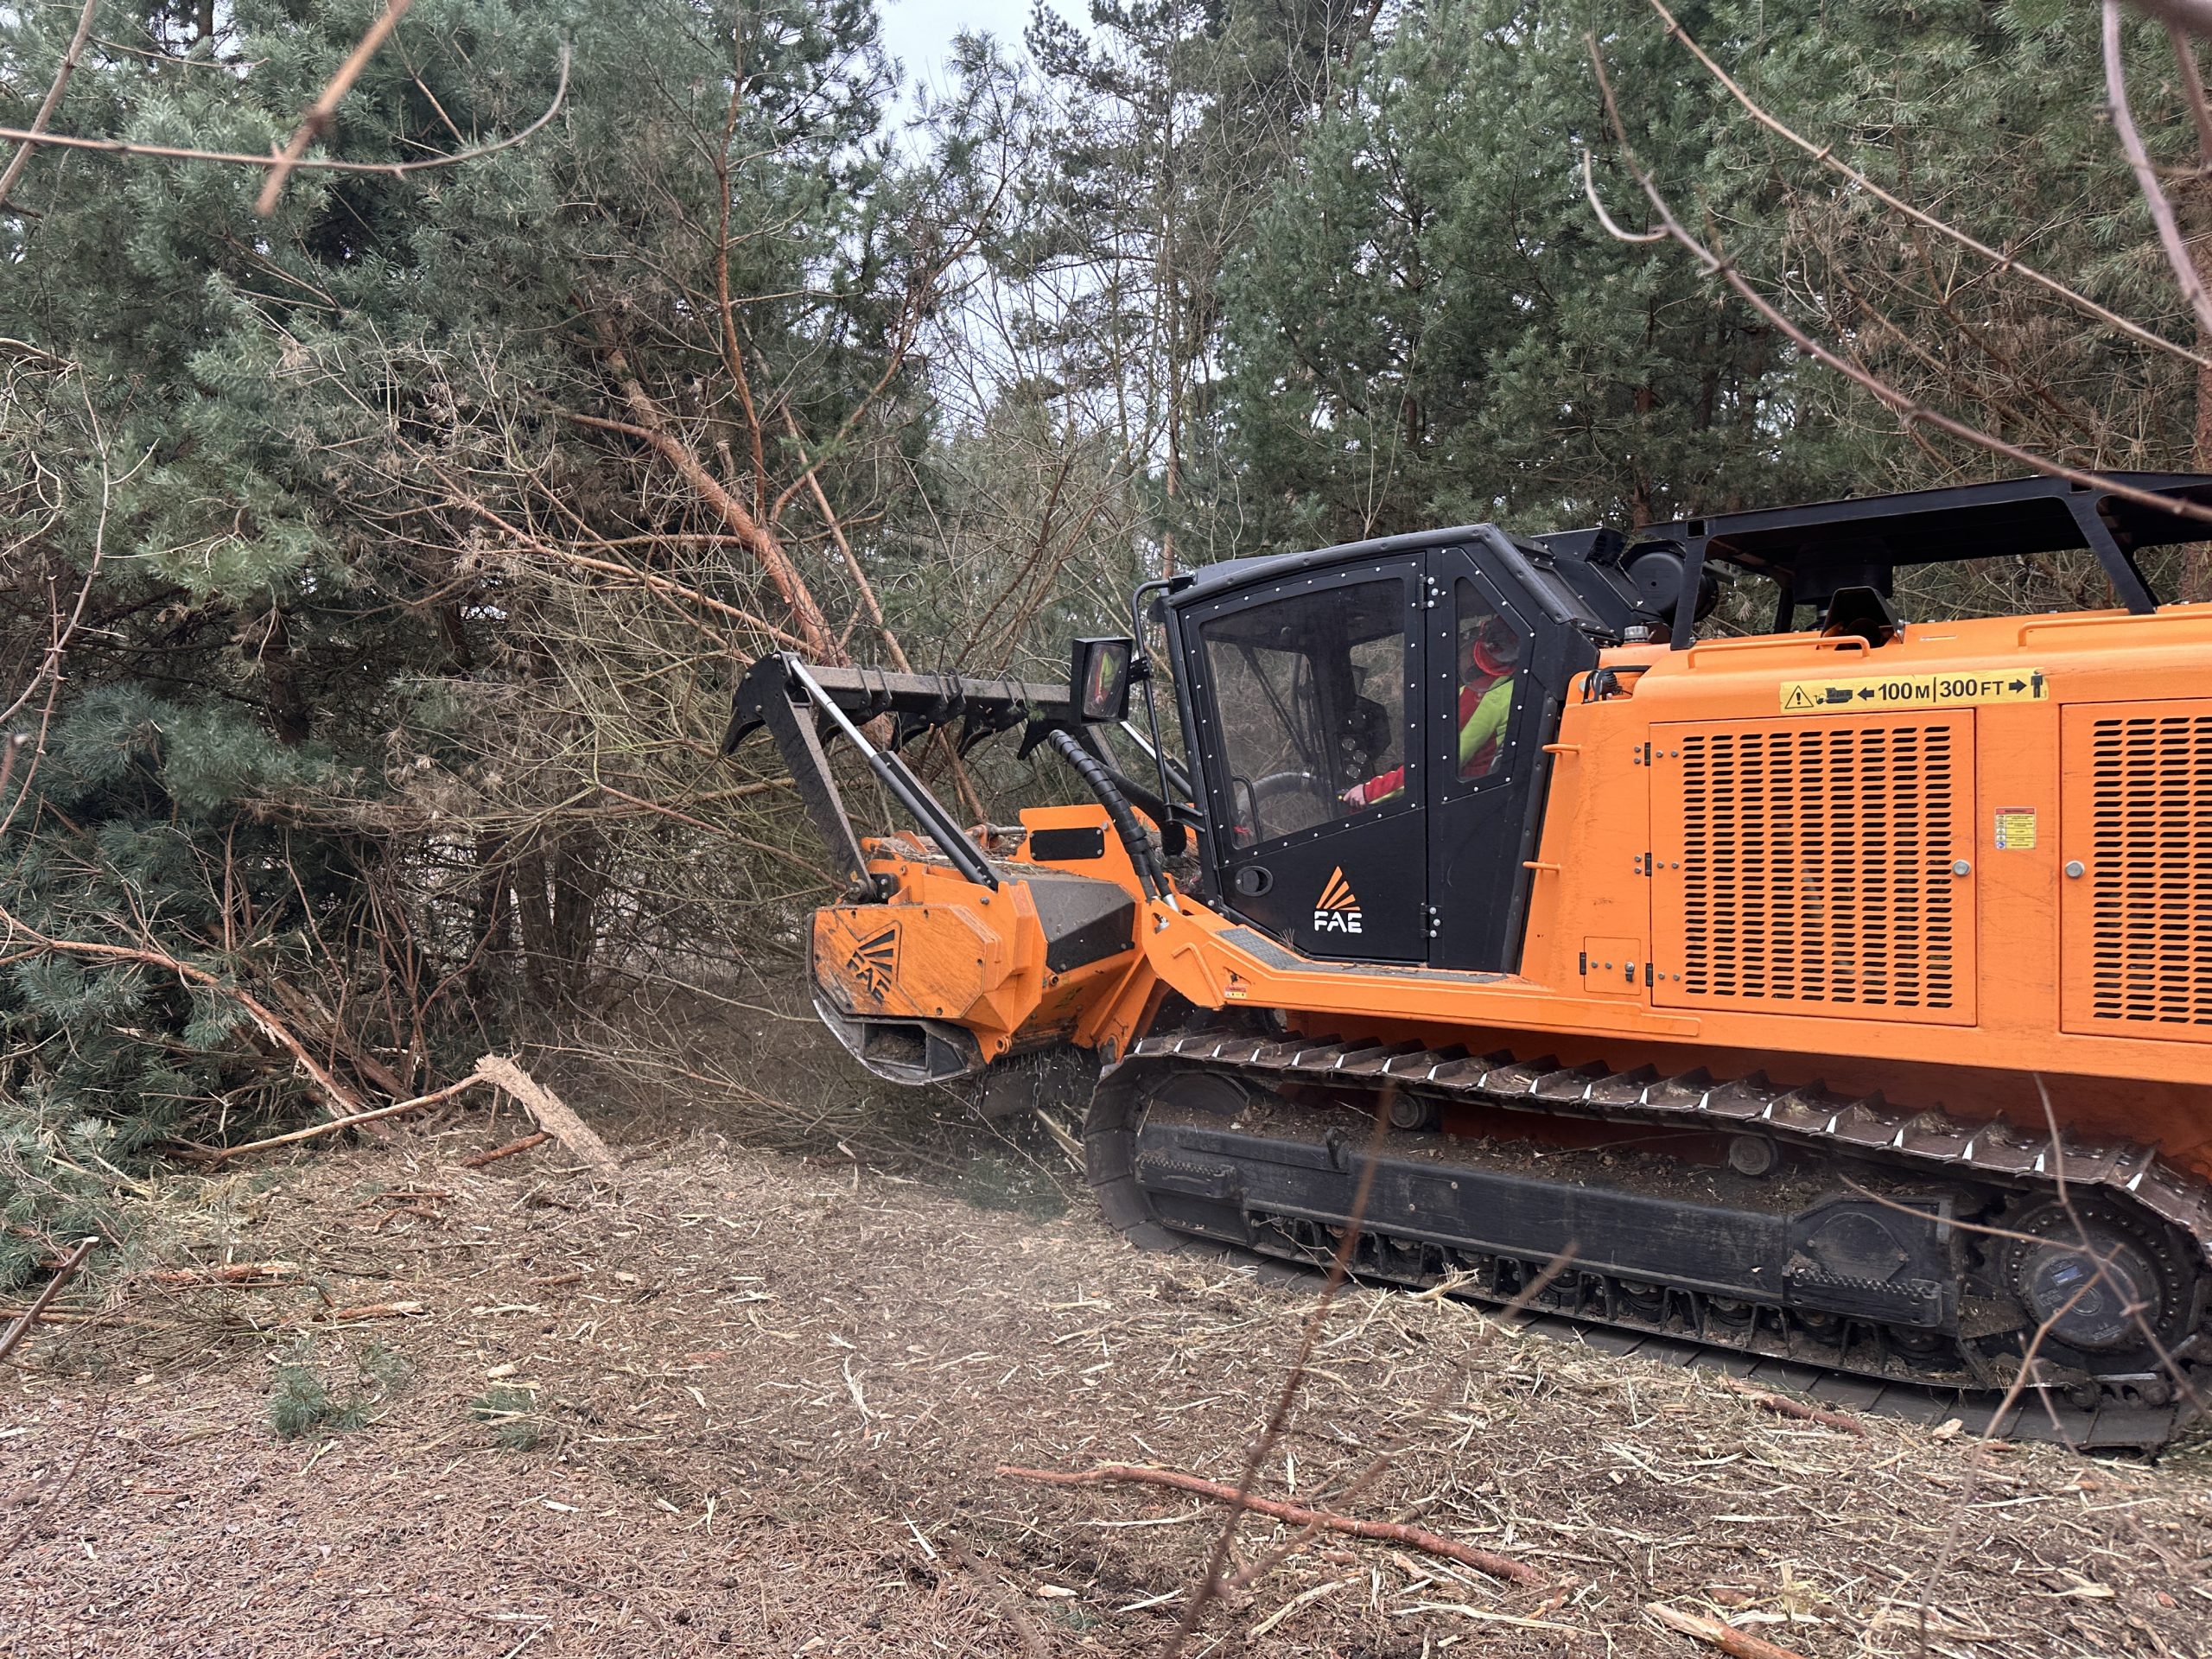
(1098, 681)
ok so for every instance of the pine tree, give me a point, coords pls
(305, 652)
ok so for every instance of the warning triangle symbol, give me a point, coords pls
(1798, 698)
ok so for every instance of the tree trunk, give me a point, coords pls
(533, 890)
(492, 921)
(283, 700)
(579, 879)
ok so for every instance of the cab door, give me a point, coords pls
(1491, 637)
(1307, 693)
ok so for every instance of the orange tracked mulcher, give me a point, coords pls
(1838, 998)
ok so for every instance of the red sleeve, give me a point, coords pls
(1377, 788)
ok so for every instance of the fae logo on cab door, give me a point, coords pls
(1337, 911)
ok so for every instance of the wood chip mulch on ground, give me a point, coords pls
(745, 1404)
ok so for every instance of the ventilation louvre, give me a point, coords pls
(2145, 832)
(1808, 867)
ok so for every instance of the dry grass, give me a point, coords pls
(753, 1404)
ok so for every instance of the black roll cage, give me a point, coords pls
(1814, 551)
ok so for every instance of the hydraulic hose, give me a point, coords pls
(1135, 841)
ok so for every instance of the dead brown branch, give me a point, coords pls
(52, 100)
(649, 426)
(2195, 16)
(1455, 1377)
(1737, 1645)
(1391, 1532)
(234, 1273)
(368, 1311)
(63, 1273)
(222, 1153)
(2192, 87)
(317, 121)
(861, 585)
(2154, 194)
(478, 1159)
(662, 585)
(1782, 1405)
(1278, 1418)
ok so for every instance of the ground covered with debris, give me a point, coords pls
(376, 1402)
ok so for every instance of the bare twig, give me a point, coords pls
(52, 101)
(1209, 1585)
(317, 120)
(2195, 16)
(63, 1273)
(317, 164)
(1367, 1476)
(477, 1160)
(1825, 154)
(54, 1487)
(1783, 1406)
(1484, 1560)
(2154, 194)
(2192, 87)
(1032, 1639)
(1908, 411)
(312, 1131)
(659, 585)
(865, 588)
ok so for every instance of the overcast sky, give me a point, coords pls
(920, 32)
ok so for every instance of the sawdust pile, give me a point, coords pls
(755, 1405)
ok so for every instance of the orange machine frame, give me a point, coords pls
(2006, 1035)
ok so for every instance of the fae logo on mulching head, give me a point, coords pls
(1337, 911)
(874, 962)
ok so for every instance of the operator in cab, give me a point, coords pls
(1489, 655)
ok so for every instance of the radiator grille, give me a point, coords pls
(2150, 869)
(1814, 867)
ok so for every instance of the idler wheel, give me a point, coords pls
(2099, 1282)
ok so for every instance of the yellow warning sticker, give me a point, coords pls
(1913, 691)
(2016, 829)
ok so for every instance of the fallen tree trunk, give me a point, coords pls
(552, 1114)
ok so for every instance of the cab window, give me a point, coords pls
(1309, 693)
(1490, 653)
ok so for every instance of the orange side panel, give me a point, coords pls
(1816, 866)
(2136, 894)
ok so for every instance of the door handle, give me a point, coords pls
(1252, 880)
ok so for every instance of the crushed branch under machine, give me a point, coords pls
(1838, 998)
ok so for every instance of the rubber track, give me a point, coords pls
(1810, 1117)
